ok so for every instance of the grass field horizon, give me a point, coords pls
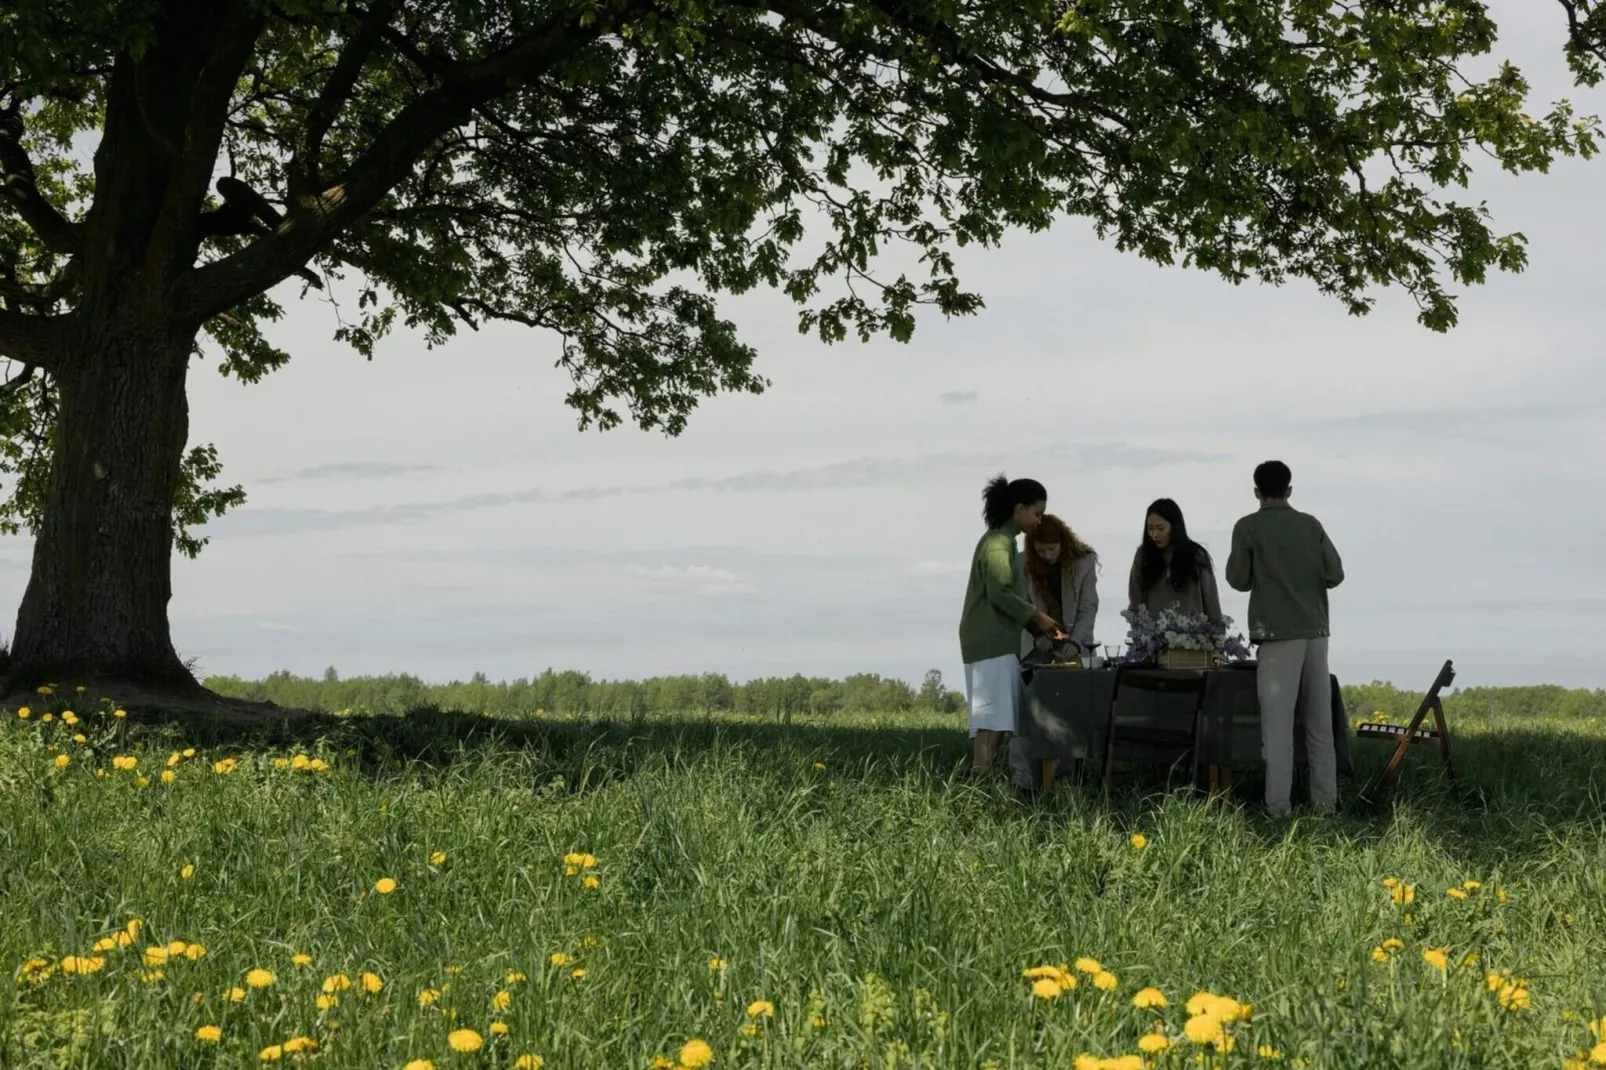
(441, 879)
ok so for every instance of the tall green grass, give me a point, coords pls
(844, 871)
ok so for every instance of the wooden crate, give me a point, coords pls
(1185, 659)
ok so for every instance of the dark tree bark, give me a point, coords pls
(96, 604)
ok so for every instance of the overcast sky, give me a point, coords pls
(438, 512)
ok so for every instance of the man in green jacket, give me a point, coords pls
(1286, 562)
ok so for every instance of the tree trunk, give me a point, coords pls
(96, 604)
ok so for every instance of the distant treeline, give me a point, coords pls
(577, 693)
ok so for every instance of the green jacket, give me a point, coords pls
(1286, 562)
(995, 613)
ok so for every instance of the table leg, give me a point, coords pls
(1047, 768)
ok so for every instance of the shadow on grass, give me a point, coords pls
(1518, 788)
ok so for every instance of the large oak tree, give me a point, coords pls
(599, 169)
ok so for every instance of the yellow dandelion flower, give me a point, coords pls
(259, 978)
(528, 1062)
(142, 782)
(107, 943)
(194, 952)
(150, 977)
(1500, 894)
(1149, 997)
(1403, 894)
(1597, 1054)
(577, 974)
(1471, 886)
(1456, 893)
(80, 738)
(301, 960)
(1204, 1029)
(173, 759)
(1514, 996)
(818, 1021)
(464, 1040)
(1438, 958)
(317, 765)
(62, 761)
(47, 718)
(696, 1053)
(438, 858)
(235, 994)
(558, 958)
(385, 885)
(226, 765)
(716, 964)
(124, 761)
(24, 713)
(428, 996)
(337, 983)
(69, 718)
(209, 1034)
(119, 714)
(1138, 841)
(300, 1044)
(761, 1008)
(1393, 944)
(300, 761)
(659, 1062)
(515, 977)
(325, 1001)
(371, 982)
(502, 1000)
(45, 689)
(167, 776)
(1153, 1043)
(188, 752)
(419, 1064)
(1266, 1051)
(82, 964)
(156, 956)
(1087, 965)
(1105, 981)
(592, 883)
(1379, 955)
(1046, 988)
(498, 1029)
(819, 767)
(272, 1053)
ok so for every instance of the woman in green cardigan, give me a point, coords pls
(995, 614)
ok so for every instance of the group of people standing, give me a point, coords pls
(1045, 602)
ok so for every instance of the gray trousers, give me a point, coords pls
(1286, 669)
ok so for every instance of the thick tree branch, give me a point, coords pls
(303, 169)
(395, 151)
(38, 340)
(1578, 32)
(55, 231)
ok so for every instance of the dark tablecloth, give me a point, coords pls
(1068, 711)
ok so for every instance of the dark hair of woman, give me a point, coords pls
(1001, 497)
(1187, 556)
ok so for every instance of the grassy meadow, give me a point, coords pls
(432, 889)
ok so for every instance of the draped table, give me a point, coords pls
(1067, 714)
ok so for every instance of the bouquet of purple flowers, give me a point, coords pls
(1150, 635)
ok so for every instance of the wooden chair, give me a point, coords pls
(1184, 742)
(1414, 733)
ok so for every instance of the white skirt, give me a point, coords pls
(995, 693)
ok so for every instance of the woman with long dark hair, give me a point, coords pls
(1170, 569)
(995, 614)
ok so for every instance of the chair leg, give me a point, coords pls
(1046, 773)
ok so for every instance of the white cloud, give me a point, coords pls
(704, 579)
